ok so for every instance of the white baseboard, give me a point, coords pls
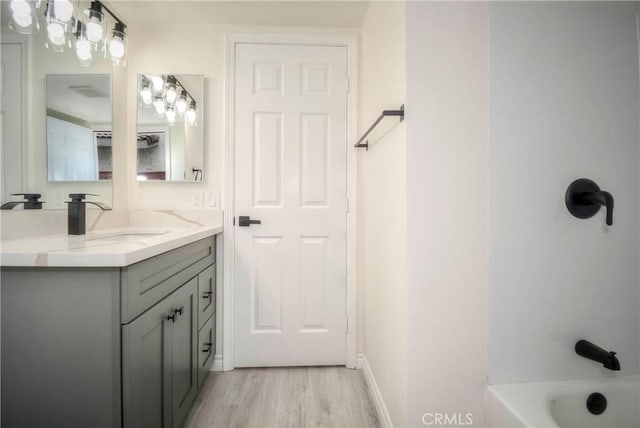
(374, 391)
(217, 363)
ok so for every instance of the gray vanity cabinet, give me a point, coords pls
(159, 361)
(108, 347)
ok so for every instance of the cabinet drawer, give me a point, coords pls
(206, 294)
(146, 283)
(206, 349)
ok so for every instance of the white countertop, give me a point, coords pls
(110, 247)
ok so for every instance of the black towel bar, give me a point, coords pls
(398, 113)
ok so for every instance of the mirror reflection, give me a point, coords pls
(170, 129)
(79, 127)
(26, 65)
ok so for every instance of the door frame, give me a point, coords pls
(348, 40)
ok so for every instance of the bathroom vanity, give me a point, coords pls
(112, 331)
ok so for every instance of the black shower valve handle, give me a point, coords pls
(601, 198)
(584, 198)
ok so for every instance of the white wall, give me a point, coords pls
(382, 228)
(563, 105)
(447, 141)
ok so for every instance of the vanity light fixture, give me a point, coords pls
(163, 90)
(66, 28)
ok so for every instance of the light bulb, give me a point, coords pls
(171, 115)
(158, 83)
(55, 33)
(23, 20)
(146, 98)
(116, 48)
(159, 106)
(146, 95)
(94, 30)
(20, 8)
(83, 50)
(190, 115)
(63, 10)
(171, 95)
(181, 104)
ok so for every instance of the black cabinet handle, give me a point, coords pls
(245, 221)
(207, 294)
(207, 348)
(175, 314)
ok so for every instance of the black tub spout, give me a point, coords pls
(586, 349)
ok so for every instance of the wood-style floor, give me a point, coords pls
(284, 397)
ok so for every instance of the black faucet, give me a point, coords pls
(31, 202)
(586, 349)
(77, 212)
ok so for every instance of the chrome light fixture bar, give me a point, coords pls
(160, 92)
(66, 28)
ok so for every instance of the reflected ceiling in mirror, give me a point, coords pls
(79, 111)
(170, 129)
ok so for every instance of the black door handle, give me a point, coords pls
(245, 221)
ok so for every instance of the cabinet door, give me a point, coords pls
(207, 293)
(206, 349)
(143, 366)
(183, 358)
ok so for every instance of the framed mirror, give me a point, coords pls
(170, 128)
(79, 111)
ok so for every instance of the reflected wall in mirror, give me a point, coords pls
(170, 128)
(79, 127)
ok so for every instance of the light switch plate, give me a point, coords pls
(197, 199)
(213, 199)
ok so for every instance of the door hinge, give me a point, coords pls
(347, 210)
(348, 84)
(234, 221)
(347, 319)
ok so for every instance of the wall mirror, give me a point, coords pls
(79, 127)
(170, 128)
(26, 65)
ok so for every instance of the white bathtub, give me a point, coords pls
(563, 404)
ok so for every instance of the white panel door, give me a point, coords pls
(71, 152)
(290, 173)
(11, 143)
